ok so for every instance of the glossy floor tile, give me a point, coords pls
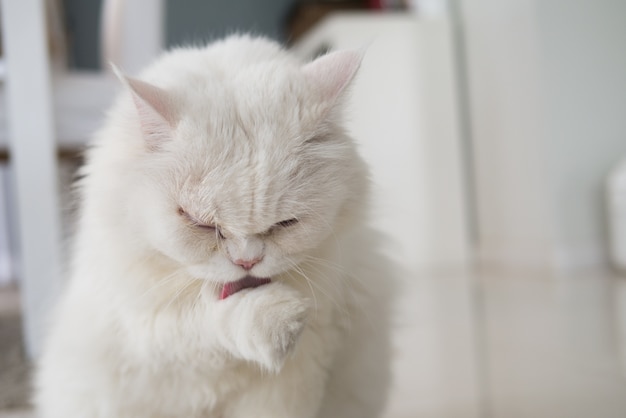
(511, 347)
(16, 414)
(504, 346)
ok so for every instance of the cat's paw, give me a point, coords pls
(266, 323)
(280, 320)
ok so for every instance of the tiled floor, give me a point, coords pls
(512, 347)
(16, 414)
(509, 347)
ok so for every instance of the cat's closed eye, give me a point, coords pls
(198, 224)
(286, 223)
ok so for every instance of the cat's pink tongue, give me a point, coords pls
(231, 288)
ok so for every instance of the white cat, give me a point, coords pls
(222, 267)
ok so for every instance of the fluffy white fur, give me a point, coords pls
(242, 136)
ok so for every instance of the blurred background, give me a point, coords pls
(495, 131)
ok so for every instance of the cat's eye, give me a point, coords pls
(196, 223)
(287, 223)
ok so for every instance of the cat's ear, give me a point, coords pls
(333, 72)
(155, 109)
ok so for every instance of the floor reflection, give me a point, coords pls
(498, 346)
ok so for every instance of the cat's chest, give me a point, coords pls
(192, 385)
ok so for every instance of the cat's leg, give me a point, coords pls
(57, 404)
(290, 399)
(297, 391)
(261, 324)
(360, 376)
(65, 392)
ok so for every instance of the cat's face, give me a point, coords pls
(251, 182)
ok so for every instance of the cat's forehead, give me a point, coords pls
(245, 195)
(261, 92)
(240, 134)
(242, 170)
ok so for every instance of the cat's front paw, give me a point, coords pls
(266, 323)
(279, 320)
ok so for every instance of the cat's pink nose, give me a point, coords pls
(247, 264)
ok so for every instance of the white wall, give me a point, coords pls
(504, 92)
(583, 54)
(547, 89)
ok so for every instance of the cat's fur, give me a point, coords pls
(244, 136)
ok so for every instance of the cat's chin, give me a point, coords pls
(248, 282)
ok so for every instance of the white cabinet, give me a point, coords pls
(403, 112)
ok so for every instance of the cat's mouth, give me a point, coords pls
(247, 282)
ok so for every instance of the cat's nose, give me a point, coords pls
(247, 264)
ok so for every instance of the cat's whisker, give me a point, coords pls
(336, 284)
(337, 288)
(331, 229)
(319, 287)
(157, 284)
(179, 292)
(308, 282)
(160, 283)
(330, 264)
(201, 290)
(336, 267)
(351, 280)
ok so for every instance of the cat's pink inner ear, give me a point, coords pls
(154, 108)
(332, 72)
